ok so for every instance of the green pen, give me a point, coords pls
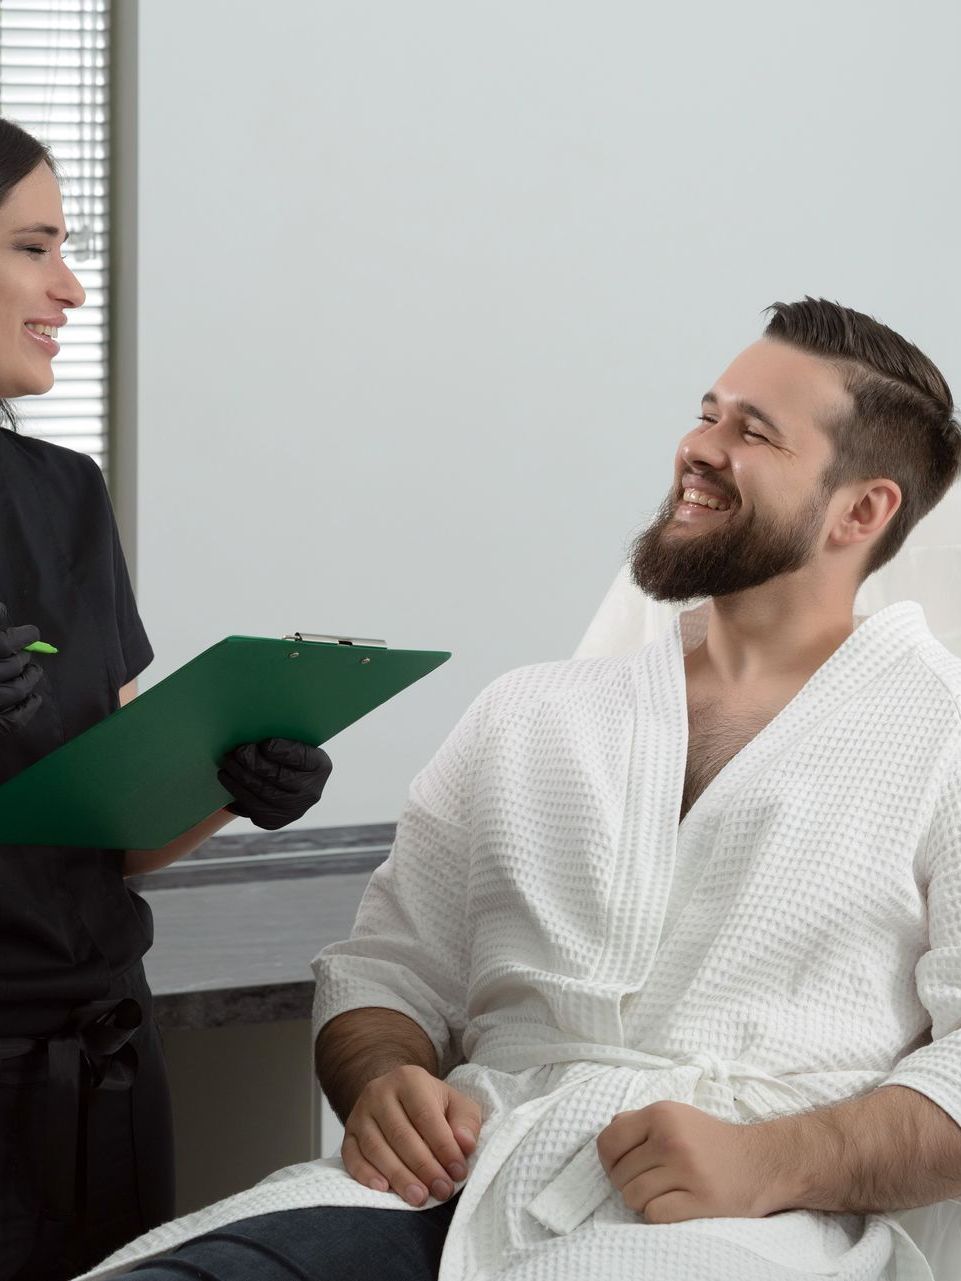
(40, 647)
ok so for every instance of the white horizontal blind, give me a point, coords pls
(54, 82)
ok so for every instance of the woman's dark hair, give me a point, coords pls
(901, 426)
(20, 153)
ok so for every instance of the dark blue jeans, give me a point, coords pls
(325, 1243)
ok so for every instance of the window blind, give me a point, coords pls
(54, 82)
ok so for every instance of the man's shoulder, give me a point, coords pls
(944, 667)
(542, 681)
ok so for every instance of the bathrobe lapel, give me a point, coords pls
(875, 645)
(655, 850)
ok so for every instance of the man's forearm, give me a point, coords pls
(359, 1045)
(889, 1150)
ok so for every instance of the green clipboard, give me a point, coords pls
(148, 772)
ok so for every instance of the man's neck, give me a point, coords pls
(765, 636)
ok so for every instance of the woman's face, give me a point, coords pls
(36, 285)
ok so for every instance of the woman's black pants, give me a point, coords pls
(86, 1146)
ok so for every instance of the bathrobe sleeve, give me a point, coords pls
(935, 1069)
(408, 950)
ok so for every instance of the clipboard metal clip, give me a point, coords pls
(336, 640)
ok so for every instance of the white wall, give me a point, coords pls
(428, 292)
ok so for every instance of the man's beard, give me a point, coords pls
(727, 555)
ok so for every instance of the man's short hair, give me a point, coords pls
(902, 425)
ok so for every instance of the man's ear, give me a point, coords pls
(873, 505)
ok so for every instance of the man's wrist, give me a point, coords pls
(359, 1045)
(386, 1064)
(804, 1160)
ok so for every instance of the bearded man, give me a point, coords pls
(662, 978)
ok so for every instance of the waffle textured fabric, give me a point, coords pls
(573, 951)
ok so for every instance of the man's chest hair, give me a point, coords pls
(717, 731)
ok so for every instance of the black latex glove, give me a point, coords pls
(274, 781)
(19, 675)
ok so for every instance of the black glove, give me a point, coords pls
(18, 675)
(276, 781)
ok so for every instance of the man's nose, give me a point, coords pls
(706, 447)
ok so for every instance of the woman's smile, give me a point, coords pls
(45, 334)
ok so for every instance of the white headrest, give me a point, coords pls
(926, 569)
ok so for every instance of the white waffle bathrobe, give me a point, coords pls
(795, 941)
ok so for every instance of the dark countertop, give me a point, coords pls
(237, 923)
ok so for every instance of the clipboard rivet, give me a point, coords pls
(365, 660)
(294, 654)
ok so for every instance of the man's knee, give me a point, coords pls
(319, 1243)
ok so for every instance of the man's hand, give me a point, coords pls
(19, 700)
(274, 782)
(671, 1161)
(410, 1132)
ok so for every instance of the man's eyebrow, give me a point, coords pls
(749, 410)
(40, 229)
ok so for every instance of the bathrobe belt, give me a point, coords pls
(92, 1051)
(582, 1186)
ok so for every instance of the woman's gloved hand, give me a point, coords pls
(19, 675)
(275, 781)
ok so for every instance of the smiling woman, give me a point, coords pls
(85, 1135)
(74, 1006)
(85, 1148)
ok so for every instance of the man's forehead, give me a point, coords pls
(793, 389)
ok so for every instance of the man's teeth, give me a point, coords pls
(42, 329)
(705, 500)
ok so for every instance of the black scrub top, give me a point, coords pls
(68, 924)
